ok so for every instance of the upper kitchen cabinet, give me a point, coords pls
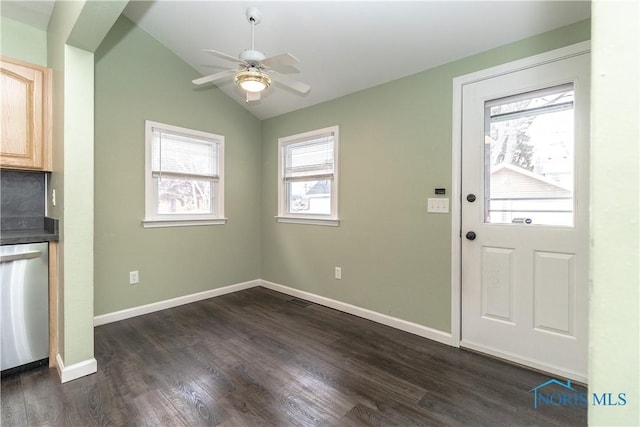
(25, 135)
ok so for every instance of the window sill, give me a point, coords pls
(309, 221)
(157, 223)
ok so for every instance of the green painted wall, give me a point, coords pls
(23, 42)
(395, 148)
(78, 205)
(614, 357)
(72, 177)
(136, 79)
(61, 23)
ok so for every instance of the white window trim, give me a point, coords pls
(325, 220)
(154, 220)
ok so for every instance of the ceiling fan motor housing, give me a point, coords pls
(252, 57)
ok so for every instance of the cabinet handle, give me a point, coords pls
(18, 257)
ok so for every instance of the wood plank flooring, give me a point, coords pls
(255, 358)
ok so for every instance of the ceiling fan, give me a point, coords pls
(256, 72)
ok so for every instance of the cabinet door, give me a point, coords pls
(25, 134)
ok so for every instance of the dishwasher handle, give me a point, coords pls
(18, 257)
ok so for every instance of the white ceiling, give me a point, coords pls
(343, 46)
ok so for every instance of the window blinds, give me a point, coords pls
(310, 160)
(175, 155)
(535, 103)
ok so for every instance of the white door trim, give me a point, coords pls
(456, 160)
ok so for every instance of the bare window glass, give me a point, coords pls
(529, 158)
(312, 197)
(185, 196)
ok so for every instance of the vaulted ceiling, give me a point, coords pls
(343, 46)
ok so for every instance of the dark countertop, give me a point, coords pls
(28, 230)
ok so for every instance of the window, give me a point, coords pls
(529, 158)
(184, 176)
(308, 177)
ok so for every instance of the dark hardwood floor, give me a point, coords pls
(256, 358)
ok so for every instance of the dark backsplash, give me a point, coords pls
(22, 199)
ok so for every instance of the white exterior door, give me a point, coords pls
(525, 219)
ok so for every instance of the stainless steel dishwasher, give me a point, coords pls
(24, 275)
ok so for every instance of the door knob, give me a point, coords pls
(471, 198)
(471, 235)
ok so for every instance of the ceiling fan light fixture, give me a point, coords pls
(252, 81)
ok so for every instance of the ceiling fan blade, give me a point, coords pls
(224, 56)
(291, 83)
(253, 96)
(213, 77)
(280, 61)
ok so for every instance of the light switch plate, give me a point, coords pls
(438, 205)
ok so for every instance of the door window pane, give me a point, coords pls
(529, 158)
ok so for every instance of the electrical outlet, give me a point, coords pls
(134, 277)
(339, 273)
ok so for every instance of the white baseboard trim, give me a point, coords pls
(394, 322)
(103, 319)
(77, 370)
(580, 377)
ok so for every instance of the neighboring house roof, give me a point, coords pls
(319, 188)
(510, 181)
